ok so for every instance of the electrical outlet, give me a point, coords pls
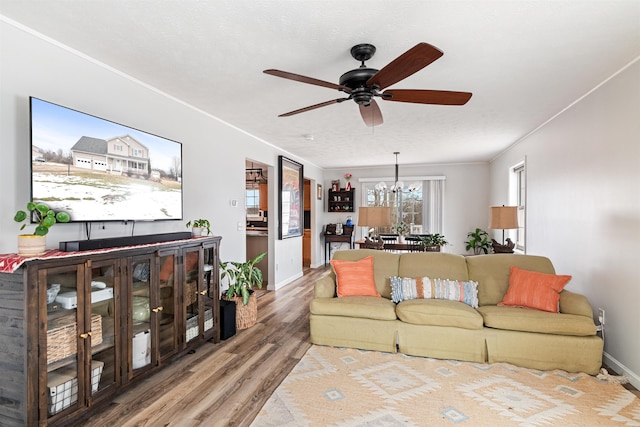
(601, 316)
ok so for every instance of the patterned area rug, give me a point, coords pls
(347, 387)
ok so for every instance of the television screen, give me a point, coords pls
(98, 170)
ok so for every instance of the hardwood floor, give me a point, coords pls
(224, 384)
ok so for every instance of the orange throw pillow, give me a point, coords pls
(355, 277)
(531, 289)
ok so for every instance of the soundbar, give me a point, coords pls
(114, 242)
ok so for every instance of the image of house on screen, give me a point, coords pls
(122, 155)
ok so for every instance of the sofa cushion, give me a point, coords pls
(437, 312)
(366, 307)
(355, 277)
(527, 320)
(385, 264)
(406, 288)
(432, 264)
(532, 289)
(492, 273)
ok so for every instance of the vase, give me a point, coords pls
(31, 244)
(348, 186)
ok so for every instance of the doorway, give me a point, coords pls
(257, 214)
(306, 237)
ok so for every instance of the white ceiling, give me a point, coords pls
(524, 61)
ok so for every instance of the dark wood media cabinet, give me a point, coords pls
(119, 316)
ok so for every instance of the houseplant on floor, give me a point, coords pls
(242, 276)
(478, 241)
(198, 226)
(45, 218)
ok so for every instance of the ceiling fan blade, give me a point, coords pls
(371, 114)
(313, 107)
(413, 60)
(417, 96)
(305, 79)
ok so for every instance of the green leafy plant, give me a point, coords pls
(433, 240)
(200, 223)
(402, 228)
(43, 216)
(478, 241)
(242, 277)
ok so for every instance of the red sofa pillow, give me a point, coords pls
(355, 277)
(531, 289)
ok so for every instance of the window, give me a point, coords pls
(418, 204)
(520, 193)
(252, 201)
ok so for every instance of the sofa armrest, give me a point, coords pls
(325, 287)
(572, 303)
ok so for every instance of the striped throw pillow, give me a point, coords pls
(406, 288)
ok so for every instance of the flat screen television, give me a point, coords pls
(98, 170)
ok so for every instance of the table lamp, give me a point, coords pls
(374, 216)
(504, 218)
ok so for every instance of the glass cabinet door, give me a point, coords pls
(164, 307)
(103, 286)
(64, 346)
(191, 294)
(210, 292)
(138, 338)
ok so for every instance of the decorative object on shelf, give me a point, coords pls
(45, 218)
(373, 217)
(347, 176)
(432, 242)
(341, 201)
(290, 197)
(242, 277)
(52, 292)
(349, 221)
(504, 218)
(503, 249)
(478, 241)
(335, 185)
(198, 227)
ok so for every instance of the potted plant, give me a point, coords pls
(478, 241)
(198, 226)
(402, 229)
(432, 242)
(45, 218)
(242, 276)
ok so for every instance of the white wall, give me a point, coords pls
(466, 196)
(583, 205)
(213, 152)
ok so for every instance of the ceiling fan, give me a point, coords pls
(363, 84)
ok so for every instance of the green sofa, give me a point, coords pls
(446, 329)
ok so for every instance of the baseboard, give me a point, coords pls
(620, 369)
(286, 281)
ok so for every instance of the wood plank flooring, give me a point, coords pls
(224, 384)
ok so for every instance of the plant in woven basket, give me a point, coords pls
(242, 277)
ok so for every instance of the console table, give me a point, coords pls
(330, 236)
